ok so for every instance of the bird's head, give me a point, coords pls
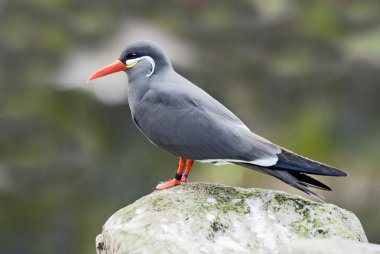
(144, 57)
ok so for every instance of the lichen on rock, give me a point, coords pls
(212, 218)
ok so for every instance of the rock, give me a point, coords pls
(211, 218)
(332, 246)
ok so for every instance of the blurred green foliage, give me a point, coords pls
(304, 74)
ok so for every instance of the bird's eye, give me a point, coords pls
(131, 56)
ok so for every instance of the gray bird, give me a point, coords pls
(181, 118)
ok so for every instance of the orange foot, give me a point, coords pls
(184, 179)
(168, 184)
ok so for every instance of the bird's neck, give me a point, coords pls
(137, 88)
(140, 84)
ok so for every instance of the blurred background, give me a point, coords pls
(304, 74)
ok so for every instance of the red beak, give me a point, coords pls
(109, 69)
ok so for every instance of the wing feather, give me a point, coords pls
(187, 121)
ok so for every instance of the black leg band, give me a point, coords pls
(178, 177)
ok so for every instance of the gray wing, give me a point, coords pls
(186, 121)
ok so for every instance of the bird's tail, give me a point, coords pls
(292, 169)
(290, 161)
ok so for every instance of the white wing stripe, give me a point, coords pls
(260, 162)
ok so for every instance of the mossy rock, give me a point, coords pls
(212, 218)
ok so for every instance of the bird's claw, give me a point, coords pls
(168, 184)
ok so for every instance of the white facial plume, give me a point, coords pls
(131, 62)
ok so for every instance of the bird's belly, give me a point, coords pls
(182, 133)
(160, 125)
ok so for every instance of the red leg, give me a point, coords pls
(177, 179)
(189, 165)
